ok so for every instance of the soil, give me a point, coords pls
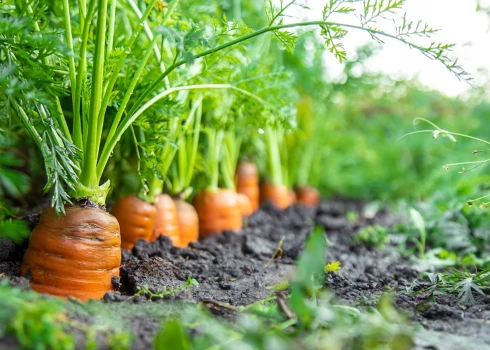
(235, 268)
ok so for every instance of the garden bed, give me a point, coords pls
(237, 269)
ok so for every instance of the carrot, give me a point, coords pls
(244, 204)
(293, 198)
(136, 218)
(217, 211)
(247, 182)
(188, 222)
(307, 195)
(166, 222)
(75, 254)
(277, 194)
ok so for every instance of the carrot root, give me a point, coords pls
(76, 254)
(217, 211)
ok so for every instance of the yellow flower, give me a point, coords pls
(332, 267)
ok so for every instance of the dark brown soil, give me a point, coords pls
(232, 268)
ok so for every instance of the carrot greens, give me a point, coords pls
(77, 97)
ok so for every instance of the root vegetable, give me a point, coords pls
(307, 195)
(166, 221)
(277, 194)
(244, 204)
(75, 254)
(136, 219)
(217, 211)
(188, 222)
(247, 182)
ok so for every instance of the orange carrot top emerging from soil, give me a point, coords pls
(166, 222)
(244, 204)
(136, 218)
(307, 195)
(217, 211)
(247, 182)
(74, 255)
(188, 222)
(278, 194)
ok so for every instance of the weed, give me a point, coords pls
(372, 237)
(334, 266)
(165, 292)
(419, 223)
(461, 283)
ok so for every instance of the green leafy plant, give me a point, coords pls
(419, 223)
(38, 322)
(372, 236)
(76, 158)
(191, 282)
(461, 283)
(35, 322)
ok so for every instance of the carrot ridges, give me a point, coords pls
(62, 261)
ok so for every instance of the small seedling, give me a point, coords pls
(419, 223)
(372, 236)
(165, 292)
(352, 216)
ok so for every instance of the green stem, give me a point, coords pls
(155, 189)
(195, 146)
(171, 8)
(129, 119)
(149, 34)
(27, 123)
(237, 11)
(230, 159)
(77, 137)
(85, 20)
(119, 66)
(305, 163)
(126, 98)
(254, 34)
(273, 156)
(88, 177)
(112, 25)
(215, 138)
(138, 106)
(82, 11)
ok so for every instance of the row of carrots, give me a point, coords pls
(79, 253)
(211, 212)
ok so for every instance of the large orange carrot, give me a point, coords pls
(136, 219)
(308, 195)
(247, 182)
(293, 199)
(217, 211)
(244, 204)
(166, 222)
(188, 222)
(75, 254)
(277, 194)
